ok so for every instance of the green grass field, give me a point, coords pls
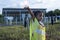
(53, 31)
(21, 33)
(14, 33)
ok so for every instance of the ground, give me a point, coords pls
(53, 31)
(14, 33)
(18, 32)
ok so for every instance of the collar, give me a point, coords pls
(41, 23)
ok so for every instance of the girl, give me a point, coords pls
(37, 29)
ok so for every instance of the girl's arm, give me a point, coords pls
(32, 14)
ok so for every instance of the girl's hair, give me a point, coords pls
(36, 13)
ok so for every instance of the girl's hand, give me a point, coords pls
(30, 11)
(27, 7)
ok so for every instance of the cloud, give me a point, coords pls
(49, 4)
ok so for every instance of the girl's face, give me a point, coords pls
(40, 16)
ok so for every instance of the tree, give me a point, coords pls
(1, 19)
(57, 12)
(50, 13)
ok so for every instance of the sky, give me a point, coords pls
(48, 4)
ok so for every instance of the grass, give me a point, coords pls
(21, 33)
(53, 31)
(14, 33)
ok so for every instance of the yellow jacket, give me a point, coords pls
(37, 31)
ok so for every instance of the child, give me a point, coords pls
(37, 29)
(25, 21)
